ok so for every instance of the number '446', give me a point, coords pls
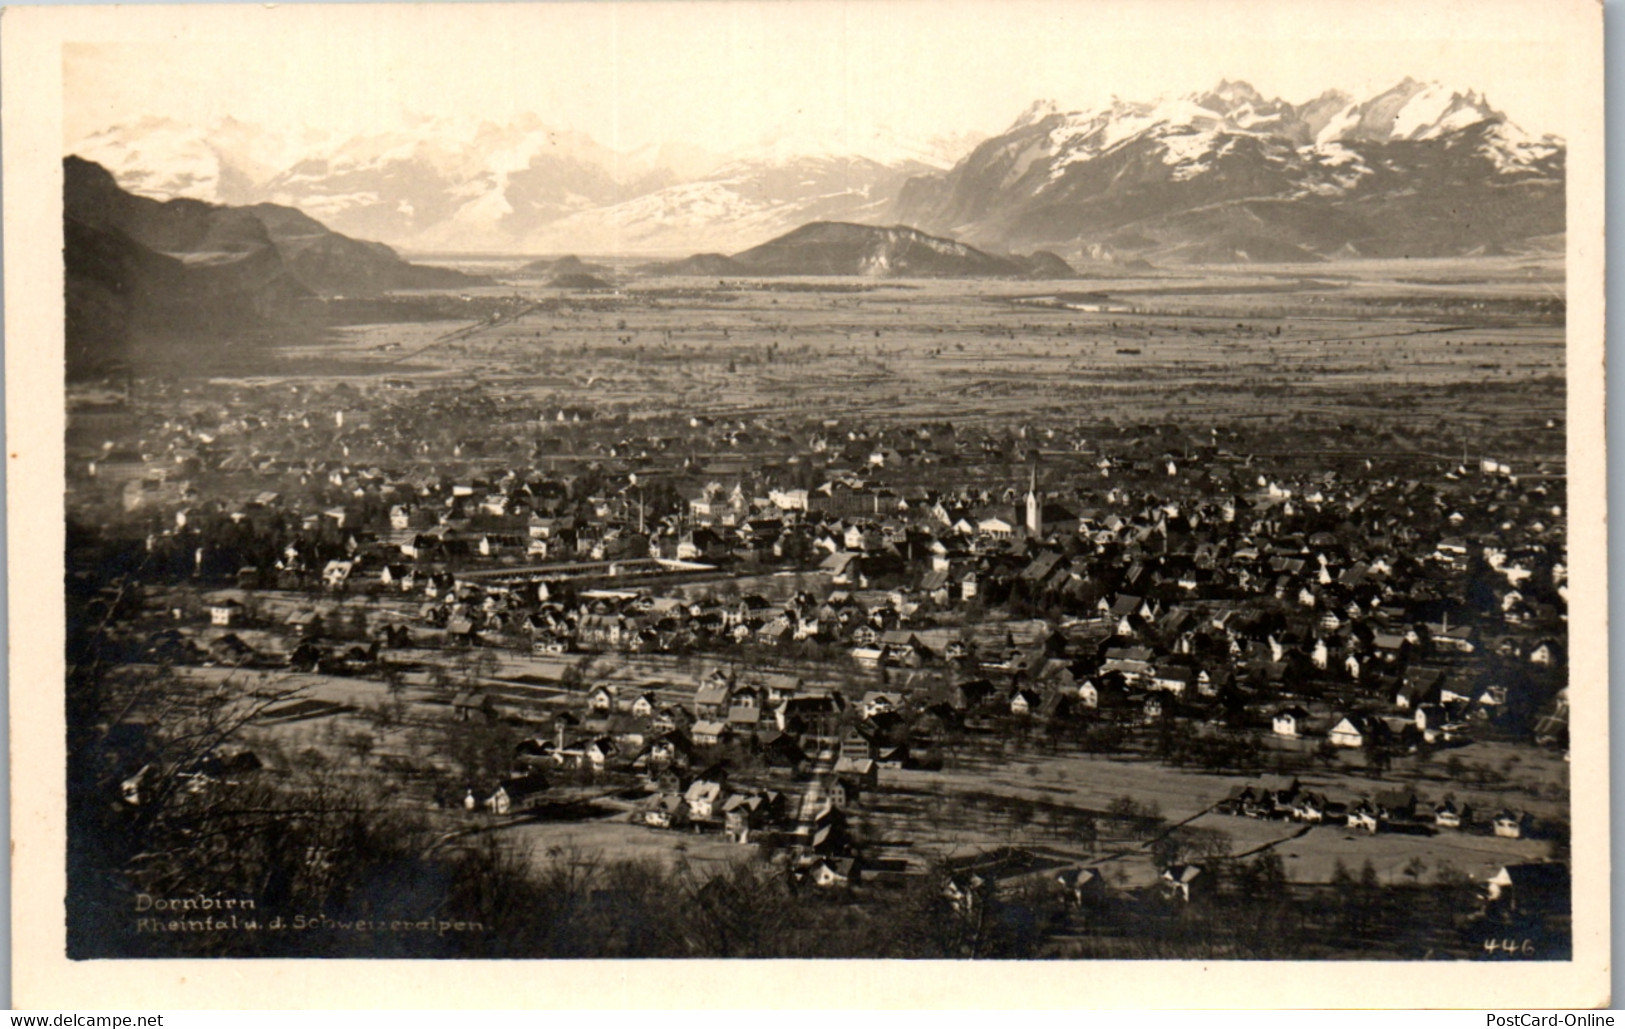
(1524, 947)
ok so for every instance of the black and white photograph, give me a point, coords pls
(953, 485)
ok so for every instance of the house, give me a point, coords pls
(519, 793)
(600, 752)
(711, 701)
(1396, 805)
(664, 811)
(970, 694)
(226, 767)
(1152, 707)
(230, 649)
(744, 718)
(671, 718)
(669, 749)
(548, 643)
(1459, 639)
(645, 705)
(460, 632)
(1273, 796)
(602, 630)
(1352, 731)
(1450, 815)
(816, 713)
(1545, 653)
(705, 798)
(845, 793)
(1389, 647)
(832, 872)
(875, 703)
(470, 703)
(601, 699)
(1024, 702)
(1133, 663)
(1184, 883)
(337, 573)
(710, 733)
(741, 813)
(1291, 722)
(1513, 825)
(1537, 888)
(1363, 815)
(1173, 679)
(1312, 808)
(893, 756)
(862, 770)
(225, 612)
(1421, 685)
(903, 648)
(307, 623)
(780, 750)
(1083, 887)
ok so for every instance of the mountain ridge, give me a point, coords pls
(1227, 175)
(137, 266)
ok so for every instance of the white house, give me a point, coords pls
(1348, 732)
(1291, 722)
(225, 612)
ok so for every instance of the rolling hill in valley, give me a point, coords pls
(844, 248)
(136, 265)
(567, 265)
(1230, 176)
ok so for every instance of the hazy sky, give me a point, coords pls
(720, 75)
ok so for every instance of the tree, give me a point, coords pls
(358, 626)
(571, 678)
(144, 812)
(1326, 752)
(394, 679)
(1414, 868)
(481, 751)
(1379, 757)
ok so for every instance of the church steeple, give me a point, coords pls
(1035, 507)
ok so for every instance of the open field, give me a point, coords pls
(1417, 355)
(1027, 798)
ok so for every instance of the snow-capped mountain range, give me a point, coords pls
(440, 184)
(1418, 168)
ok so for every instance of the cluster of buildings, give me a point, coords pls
(1348, 603)
(1153, 577)
(1398, 809)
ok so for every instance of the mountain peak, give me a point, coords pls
(1415, 110)
(1228, 96)
(1036, 112)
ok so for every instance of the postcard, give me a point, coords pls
(948, 488)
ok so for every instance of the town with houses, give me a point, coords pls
(1097, 676)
